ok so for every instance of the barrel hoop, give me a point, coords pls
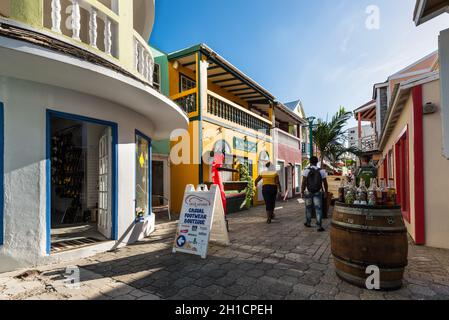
(343, 225)
(370, 212)
(362, 282)
(363, 266)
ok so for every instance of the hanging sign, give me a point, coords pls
(202, 220)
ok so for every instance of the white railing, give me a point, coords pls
(74, 24)
(287, 139)
(92, 24)
(367, 144)
(143, 58)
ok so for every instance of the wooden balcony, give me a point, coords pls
(223, 109)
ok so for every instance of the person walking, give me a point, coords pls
(271, 188)
(313, 183)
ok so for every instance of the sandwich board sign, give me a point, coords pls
(202, 220)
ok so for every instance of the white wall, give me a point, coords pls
(25, 105)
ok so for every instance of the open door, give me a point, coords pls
(104, 185)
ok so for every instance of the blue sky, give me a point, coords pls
(318, 51)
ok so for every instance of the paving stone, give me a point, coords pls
(326, 289)
(304, 290)
(421, 290)
(346, 296)
(235, 290)
(278, 261)
(321, 297)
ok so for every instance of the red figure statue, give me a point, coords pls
(216, 177)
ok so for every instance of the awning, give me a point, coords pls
(426, 10)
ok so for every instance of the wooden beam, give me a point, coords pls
(225, 80)
(234, 85)
(218, 74)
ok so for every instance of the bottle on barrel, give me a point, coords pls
(351, 193)
(382, 193)
(362, 193)
(372, 193)
(391, 193)
(341, 190)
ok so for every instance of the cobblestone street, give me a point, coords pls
(279, 261)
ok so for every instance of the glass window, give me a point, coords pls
(157, 77)
(143, 154)
(186, 83)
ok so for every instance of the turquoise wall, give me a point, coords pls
(162, 147)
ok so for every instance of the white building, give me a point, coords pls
(354, 140)
(77, 117)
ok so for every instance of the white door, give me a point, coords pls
(290, 181)
(281, 171)
(104, 189)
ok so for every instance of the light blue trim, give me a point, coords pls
(150, 169)
(2, 172)
(114, 187)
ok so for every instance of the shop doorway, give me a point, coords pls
(82, 209)
(282, 175)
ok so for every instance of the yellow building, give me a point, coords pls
(228, 112)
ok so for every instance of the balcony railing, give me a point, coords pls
(143, 58)
(99, 27)
(369, 143)
(186, 100)
(86, 21)
(220, 107)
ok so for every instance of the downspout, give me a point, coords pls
(418, 154)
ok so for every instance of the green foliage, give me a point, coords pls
(329, 136)
(305, 163)
(250, 190)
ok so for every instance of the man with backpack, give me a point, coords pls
(314, 180)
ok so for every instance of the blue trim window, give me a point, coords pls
(2, 190)
(143, 200)
(114, 169)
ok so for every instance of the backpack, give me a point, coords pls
(314, 180)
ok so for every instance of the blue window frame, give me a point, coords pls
(2, 177)
(114, 182)
(143, 176)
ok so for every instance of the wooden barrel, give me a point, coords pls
(363, 236)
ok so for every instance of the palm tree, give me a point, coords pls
(336, 153)
(329, 137)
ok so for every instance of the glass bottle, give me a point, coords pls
(341, 191)
(382, 193)
(351, 193)
(391, 193)
(362, 193)
(372, 193)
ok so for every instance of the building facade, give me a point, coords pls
(287, 149)
(229, 114)
(410, 145)
(79, 112)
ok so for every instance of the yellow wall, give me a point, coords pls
(183, 174)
